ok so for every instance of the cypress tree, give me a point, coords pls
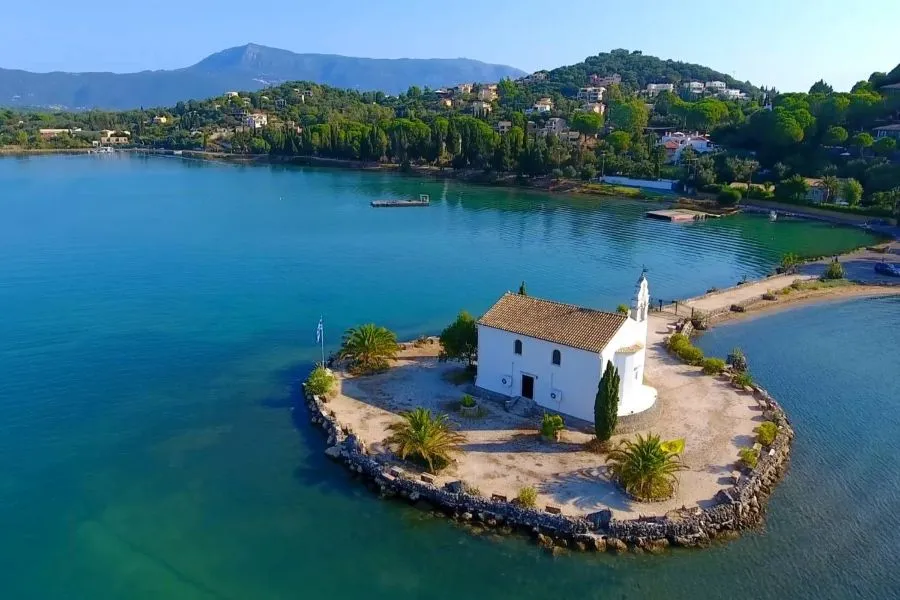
(522, 291)
(606, 404)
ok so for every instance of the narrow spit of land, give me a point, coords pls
(502, 452)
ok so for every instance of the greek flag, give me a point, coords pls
(320, 329)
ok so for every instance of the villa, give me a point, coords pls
(553, 354)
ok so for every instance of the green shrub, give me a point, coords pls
(742, 379)
(551, 425)
(728, 196)
(737, 359)
(623, 309)
(790, 262)
(749, 457)
(426, 439)
(835, 270)
(677, 340)
(467, 401)
(691, 355)
(527, 497)
(766, 432)
(320, 382)
(713, 366)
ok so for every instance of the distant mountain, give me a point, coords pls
(248, 67)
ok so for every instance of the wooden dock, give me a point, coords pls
(423, 200)
(678, 215)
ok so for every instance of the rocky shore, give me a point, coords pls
(736, 508)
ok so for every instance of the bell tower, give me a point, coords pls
(640, 306)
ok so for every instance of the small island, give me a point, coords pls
(644, 443)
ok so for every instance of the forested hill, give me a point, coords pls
(637, 70)
(248, 67)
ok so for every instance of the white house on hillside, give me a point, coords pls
(554, 354)
(675, 143)
(655, 88)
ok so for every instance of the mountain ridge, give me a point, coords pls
(248, 67)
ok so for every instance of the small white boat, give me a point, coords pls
(773, 216)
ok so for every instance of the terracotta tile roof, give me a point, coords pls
(565, 324)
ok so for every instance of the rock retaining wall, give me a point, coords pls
(737, 508)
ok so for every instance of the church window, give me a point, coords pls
(517, 347)
(557, 357)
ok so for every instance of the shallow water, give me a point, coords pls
(156, 312)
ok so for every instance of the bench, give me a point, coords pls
(553, 510)
(427, 478)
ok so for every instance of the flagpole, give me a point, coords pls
(322, 339)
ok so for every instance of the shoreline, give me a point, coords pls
(543, 184)
(732, 510)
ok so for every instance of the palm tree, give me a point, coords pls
(832, 186)
(646, 467)
(425, 438)
(369, 348)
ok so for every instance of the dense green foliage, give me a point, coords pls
(834, 270)
(646, 467)
(368, 348)
(742, 379)
(713, 366)
(766, 432)
(606, 403)
(459, 340)
(467, 401)
(680, 345)
(636, 69)
(551, 425)
(320, 381)
(424, 438)
(749, 457)
(772, 142)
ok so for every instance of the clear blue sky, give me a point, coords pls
(785, 43)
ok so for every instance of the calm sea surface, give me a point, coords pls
(156, 311)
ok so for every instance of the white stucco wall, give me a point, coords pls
(656, 184)
(576, 377)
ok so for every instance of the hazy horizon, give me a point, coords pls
(785, 45)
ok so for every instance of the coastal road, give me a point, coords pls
(860, 266)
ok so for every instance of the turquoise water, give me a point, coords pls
(156, 312)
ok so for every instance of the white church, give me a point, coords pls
(554, 354)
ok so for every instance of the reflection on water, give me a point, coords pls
(157, 313)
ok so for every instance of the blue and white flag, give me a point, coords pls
(320, 329)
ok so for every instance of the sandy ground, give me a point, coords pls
(503, 453)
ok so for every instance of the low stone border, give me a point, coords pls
(737, 508)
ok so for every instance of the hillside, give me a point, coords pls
(637, 70)
(249, 67)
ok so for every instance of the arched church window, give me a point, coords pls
(557, 357)
(517, 346)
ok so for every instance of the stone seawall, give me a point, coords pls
(737, 508)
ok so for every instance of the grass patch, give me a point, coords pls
(814, 285)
